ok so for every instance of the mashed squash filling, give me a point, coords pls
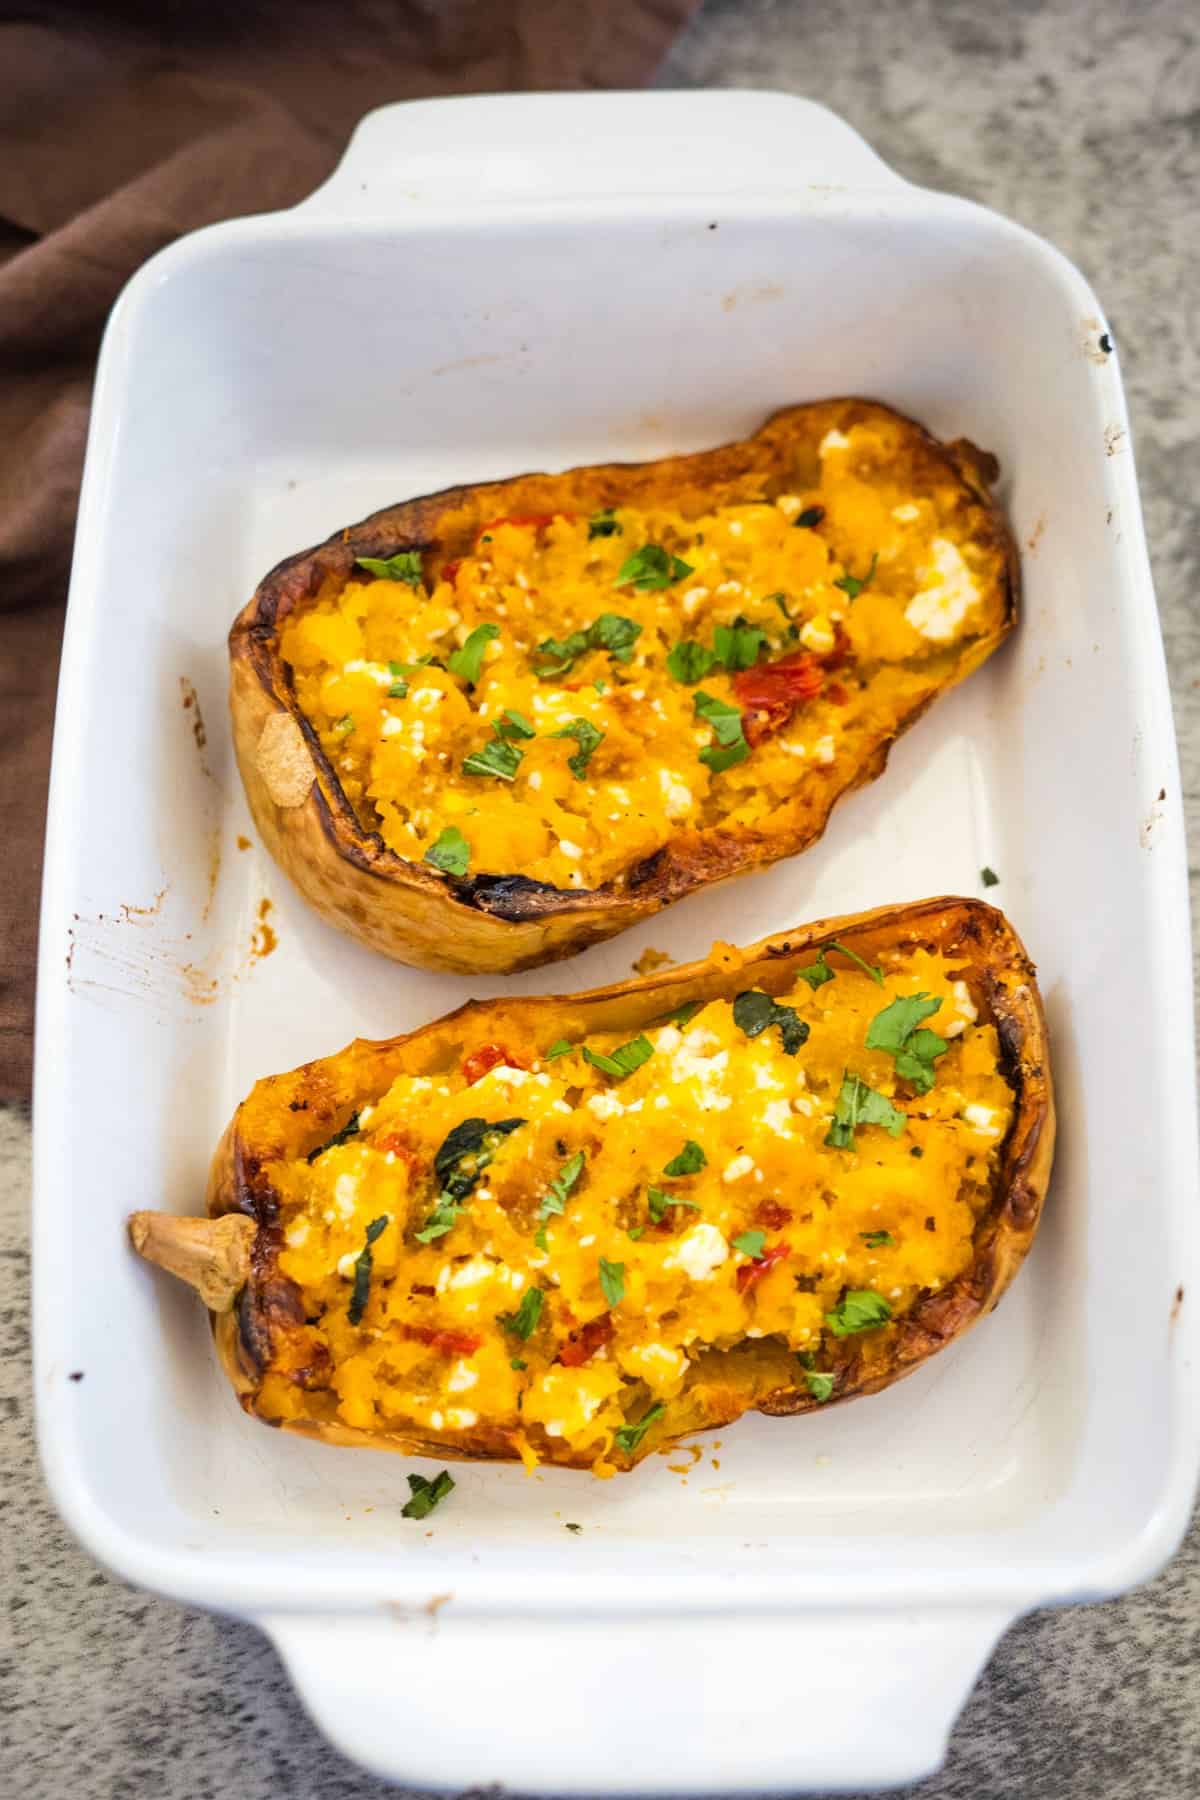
(546, 1235)
(579, 689)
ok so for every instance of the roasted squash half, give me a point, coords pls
(576, 1229)
(484, 729)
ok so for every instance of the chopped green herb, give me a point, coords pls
(345, 724)
(690, 1161)
(427, 1494)
(684, 1014)
(349, 1130)
(554, 1200)
(611, 632)
(750, 1243)
(400, 671)
(805, 521)
(738, 646)
(604, 524)
(660, 1202)
(404, 566)
(559, 1048)
(624, 1059)
(540, 1238)
(820, 1385)
(729, 746)
(916, 1150)
(628, 1437)
(690, 662)
(513, 724)
(362, 1271)
(860, 1309)
(612, 1281)
(780, 600)
(468, 662)
(442, 1219)
(818, 973)
(852, 585)
(876, 1240)
(857, 1104)
(498, 757)
(523, 1322)
(458, 1164)
(569, 1525)
(867, 968)
(599, 686)
(517, 1364)
(651, 568)
(636, 1231)
(588, 737)
(896, 1030)
(451, 853)
(989, 878)
(755, 1012)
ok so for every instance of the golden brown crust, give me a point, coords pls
(287, 1115)
(493, 924)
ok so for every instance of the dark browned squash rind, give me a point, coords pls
(287, 1115)
(496, 923)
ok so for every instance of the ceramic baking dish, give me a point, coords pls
(487, 286)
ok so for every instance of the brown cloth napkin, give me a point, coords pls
(123, 125)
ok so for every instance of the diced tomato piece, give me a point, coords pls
(488, 1057)
(840, 655)
(450, 569)
(539, 521)
(772, 1215)
(751, 1272)
(446, 1343)
(584, 1343)
(771, 692)
(400, 1144)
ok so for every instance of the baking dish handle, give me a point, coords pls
(722, 1704)
(481, 152)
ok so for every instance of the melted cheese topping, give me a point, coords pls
(436, 1347)
(399, 748)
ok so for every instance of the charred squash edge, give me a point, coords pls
(504, 922)
(261, 1310)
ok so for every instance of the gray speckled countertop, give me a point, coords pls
(1082, 121)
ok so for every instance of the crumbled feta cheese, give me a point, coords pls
(739, 1166)
(345, 1192)
(777, 1117)
(698, 1252)
(790, 505)
(436, 1420)
(378, 672)
(677, 796)
(427, 698)
(735, 528)
(472, 1273)
(461, 1418)
(939, 610)
(986, 1120)
(365, 1115)
(833, 440)
(730, 590)
(462, 1376)
(296, 1234)
(392, 726)
(906, 514)
(345, 1267)
(568, 848)
(669, 1038)
(964, 1010)
(534, 779)
(823, 750)
(817, 635)
(605, 1105)
(693, 600)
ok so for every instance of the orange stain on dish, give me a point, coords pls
(243, 843)
(265, 938)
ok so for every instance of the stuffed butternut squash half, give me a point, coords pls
(574, 1230)
(484, 729)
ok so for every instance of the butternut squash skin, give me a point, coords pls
(498, 923)
(260, 1330)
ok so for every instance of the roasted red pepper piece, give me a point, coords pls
(772, 1215)
(450, 569)
(770, 693)
(751, 1272)
(446, 1343)
(584, 1343)
(488, 1057)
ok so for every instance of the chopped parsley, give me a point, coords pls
(755, 1012)
(690, 1161)
(612, 1281)
(611, 631)
(516, 1363)
(818, 973)
(400, 671)
(362, 1271)
(853, 585)
(349, 1130)
(560, 1047)
(513, 724)
(750, 1243)
(404, 566)
(683, 1015)
(819, 1384)
(729, 744)
(427, 1494)
(867, 968)
(628, 1437)
(877, 1240)
(604, 524)
(624, 1059)
(588, 737)
(451, 853)
(650, 569)
(554, 1199)
(458, 1164)
(468, 662)
(738, 646)
(897, 1030)
(857, 1104)
(989, 877)
(498, 757)
(660, 1202)
(690, 662)
(805, 521)
(345, 724)
(859, 1309)
(523, 1322)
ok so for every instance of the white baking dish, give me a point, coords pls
(486, 286)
